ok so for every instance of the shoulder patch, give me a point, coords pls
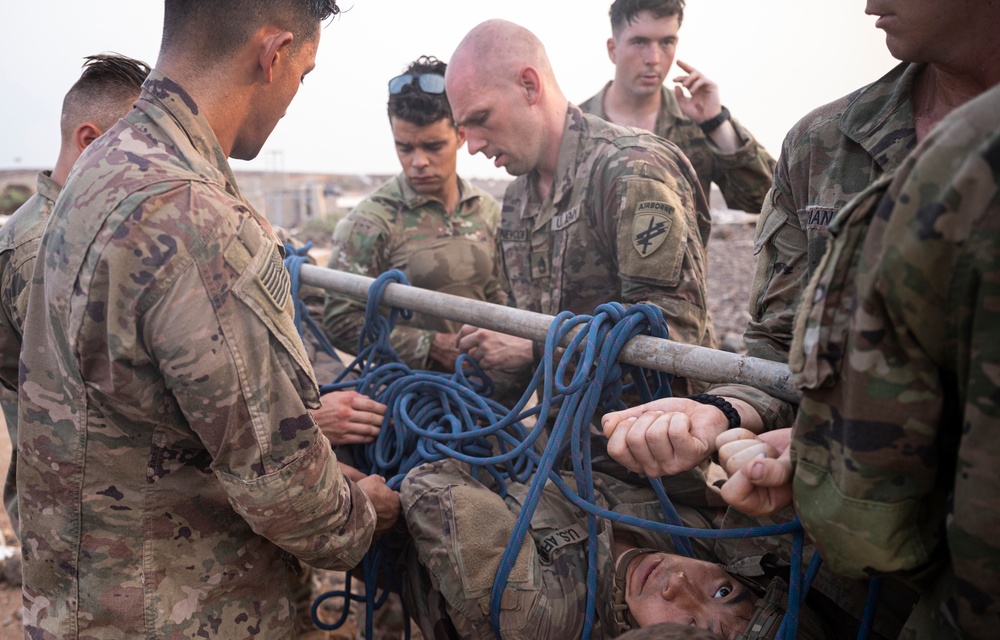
(274, 278)
(572, 534)
(650, 226)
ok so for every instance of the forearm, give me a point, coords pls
(744, 170)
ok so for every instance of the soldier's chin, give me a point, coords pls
(245, 151)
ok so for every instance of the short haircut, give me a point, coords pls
(416, 107)
(219, 27)
(108, 86)
(625, 11)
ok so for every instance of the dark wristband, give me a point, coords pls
(722, 405)
(712, 124)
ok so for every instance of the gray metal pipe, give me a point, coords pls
(699, 363)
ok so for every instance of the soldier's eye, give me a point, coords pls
(723, 591)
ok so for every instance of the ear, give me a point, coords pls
(84, 134)
(461, 136)
(531, 83)
(612, 46)
(274, 45)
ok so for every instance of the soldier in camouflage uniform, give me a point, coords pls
(105, 92)
(642, 48)
(429, 223)
(169, 471)
(897, 349)
(460, 528)
(829, 157)
(599, 212)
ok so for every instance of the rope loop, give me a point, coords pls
(433, 415)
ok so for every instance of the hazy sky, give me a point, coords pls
(774, 61)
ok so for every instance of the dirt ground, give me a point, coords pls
(731, 263)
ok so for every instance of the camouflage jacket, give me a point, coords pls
(398, 228)
(459, 529)
(743, 176)
(625, 221)
(830, 156)
(168, 465)
(897, 349)
(19, 238)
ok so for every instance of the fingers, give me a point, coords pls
(618, 447)
(780, 439)
(762, 487)
(736, 455)
(748, 495)
(685, 66)
(611, 420)
(470, 340)
(657, 443)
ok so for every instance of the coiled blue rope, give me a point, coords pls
(434, 415)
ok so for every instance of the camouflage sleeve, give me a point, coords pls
(657, 242)
(744, 176)
(895, 441)
(234, 364)
(496, 289)
(780, 277)
(460, 529)
(14, 291)
(361, 245)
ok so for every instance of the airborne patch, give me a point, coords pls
(274, 279)
(650, 226)
(550, 543)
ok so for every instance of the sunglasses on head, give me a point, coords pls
(428, 82)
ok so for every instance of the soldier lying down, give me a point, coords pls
(459, 528)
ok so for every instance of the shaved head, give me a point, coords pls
(496, 50)
(503, 91)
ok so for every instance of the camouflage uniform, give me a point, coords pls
(19, 240)
(460, 528)
(830, 156)
(398, 228)
(898, 351)
(625, 221)
(168, 467)
(743, 176)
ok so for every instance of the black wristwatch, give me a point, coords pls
(712, 124)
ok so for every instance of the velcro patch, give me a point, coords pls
(514, 235)
(274, 279)
(565, 219)
(572, 534)
(650, 226)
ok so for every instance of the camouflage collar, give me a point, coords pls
(670, 111)
(880, 117)
(47, 187)
(569, 150)
(413, 200)
(177, 116)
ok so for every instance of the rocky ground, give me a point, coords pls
(731, 263)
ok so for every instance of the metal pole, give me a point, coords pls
(698, 363)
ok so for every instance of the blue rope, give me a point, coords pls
(433, 416)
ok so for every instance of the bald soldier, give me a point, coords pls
(598, 212)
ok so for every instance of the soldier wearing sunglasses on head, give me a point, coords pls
(427, 222)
